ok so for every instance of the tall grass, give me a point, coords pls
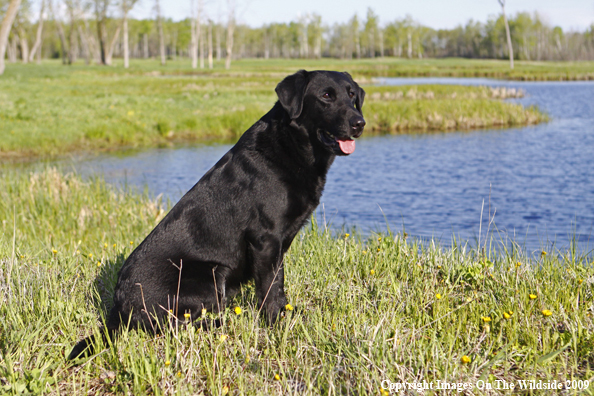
(51, 109)
(367, 309)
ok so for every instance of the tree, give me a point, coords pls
(126, 6)
(509, 42)
(161, 35)
(230, 30)
(36, 49)
(5, 27)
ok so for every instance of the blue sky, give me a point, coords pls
(569, 14)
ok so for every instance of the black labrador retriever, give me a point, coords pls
(238, 221)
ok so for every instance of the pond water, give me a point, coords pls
(538, 181)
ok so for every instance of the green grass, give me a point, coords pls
(367, 309)
(51, 109)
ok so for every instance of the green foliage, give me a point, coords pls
(366, 308)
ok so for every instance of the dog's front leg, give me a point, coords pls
(270, 278)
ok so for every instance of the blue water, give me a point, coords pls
(537, 183)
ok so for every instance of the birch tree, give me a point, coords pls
(5, 27)
(230, 31)
(126, 6)
(509, 42)
(161, 35)
(36, 49)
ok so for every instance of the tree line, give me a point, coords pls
(99, 30)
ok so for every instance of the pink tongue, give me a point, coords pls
(346, 146)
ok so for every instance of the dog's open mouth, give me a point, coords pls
(339, 145)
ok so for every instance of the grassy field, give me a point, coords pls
(366, 309)
(51, 109)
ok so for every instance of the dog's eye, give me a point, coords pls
(326, 95)
(351, 95)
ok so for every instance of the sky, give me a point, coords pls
(438, 14)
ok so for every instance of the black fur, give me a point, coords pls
(238, 221)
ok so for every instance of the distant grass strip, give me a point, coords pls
(53, 109)
(365, 309)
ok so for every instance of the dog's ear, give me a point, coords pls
(359, 91)
(290, 93)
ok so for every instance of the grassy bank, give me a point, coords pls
(51, 109)
(367, 310)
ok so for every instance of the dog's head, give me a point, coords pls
(328, 104)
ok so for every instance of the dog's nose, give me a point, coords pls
(357, 125)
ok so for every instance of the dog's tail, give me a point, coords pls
(86, 347)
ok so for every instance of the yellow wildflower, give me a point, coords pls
(203, 312)
(546, 312)
(99, 264)
(532, 296)
(225, 390)
(54, 251)
(347, 235)
(237, 310)
(187, 316)
(167, 362)
(224, 337)
(277, 377)
(465, 359)
(506, 315)
(486, 319)
(372, 272)
(288, 307)
(438, 296)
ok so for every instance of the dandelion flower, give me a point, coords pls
(580, 281)
(518, 264)
(506, 315)
(543, 253)
(379, 239)
(347, 235)
(438, 296)
(91, 255)
(277, 377)
(288, 307)
(114, 245)
(511, 312)
(379, 250)
(546, 312)
(98, 263)
(54, 251)
(486, 319)
(372, 272)
(225, 390)
(532, 296)
(465, 359)
(131, 243)
(364, 251)
(178, 374)
(187, 315)
(167, 362)
(105, 245)
(224, 337)
(237, 310)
